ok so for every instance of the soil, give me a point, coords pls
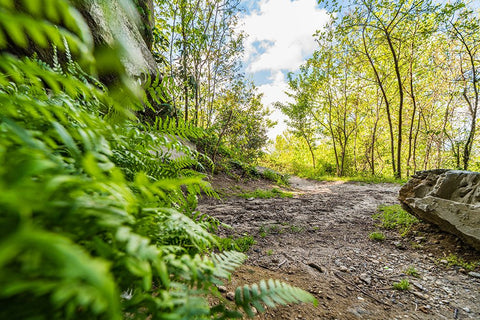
(319, 241)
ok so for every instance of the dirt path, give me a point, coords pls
(318, 240)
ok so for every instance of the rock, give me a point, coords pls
(222, 289)
(230, 296)
(420, 295)
(126, 28)
(343, 269)
(366, 278)
(449, 199)
(474, 274)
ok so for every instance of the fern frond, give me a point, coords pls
(271, 294)
(226, 262)
(39, 21)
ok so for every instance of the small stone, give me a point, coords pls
(474, 274)
(366, 278)
(343, 269)
(360, 298)
(231, 296)
(436, 242)
(466, 309)
(251, 199)
(443, 261)
(420, 295)
(419, 239)
(222, 289)
(418, 286)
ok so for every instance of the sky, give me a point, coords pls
(280, 39)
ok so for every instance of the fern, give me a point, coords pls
(271, 293)
(39, 21)
(97, 218)
(226, 262)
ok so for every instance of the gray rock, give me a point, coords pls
(449, 199)
(366, 278)
(474, 274)
(117, 22)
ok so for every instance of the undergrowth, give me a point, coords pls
(394, 217)
(266, 194)
(97, 219)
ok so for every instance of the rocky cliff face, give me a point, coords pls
(449, 199)
(116, 22)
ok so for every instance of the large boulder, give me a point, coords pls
(449, 199)
(120, 22)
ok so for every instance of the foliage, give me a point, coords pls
(268, 293)
(391, 88)
(402, 285)
(97, 218)
(376, 236)
(266, 194)
(241, 244)
(412, 271)
(454, 260)
(278, 178)
(394, 217)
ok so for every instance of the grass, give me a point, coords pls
(241, 244)
(376, 236)
(394, 217)
(269, 252)
(402, 285)
(278, 178)
(411, 271)
(266, 194)
(278, 229)
(453, 260)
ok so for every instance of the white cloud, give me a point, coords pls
(273, 92)
(280, 34)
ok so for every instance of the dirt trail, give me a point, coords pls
(318, 240)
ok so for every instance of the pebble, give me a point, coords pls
(222, 289)
(443, 261)
(420, 295)
(474, 274)
(231, 296)
(418, 286)
(466, 309)
(366, 278)
(343, 269)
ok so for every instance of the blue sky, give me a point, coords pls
(280, 40)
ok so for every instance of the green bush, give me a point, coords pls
(97, 220)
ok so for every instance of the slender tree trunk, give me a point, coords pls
(387, 103)
(398, 173)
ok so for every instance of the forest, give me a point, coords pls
(106, 149)
(392, 88)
